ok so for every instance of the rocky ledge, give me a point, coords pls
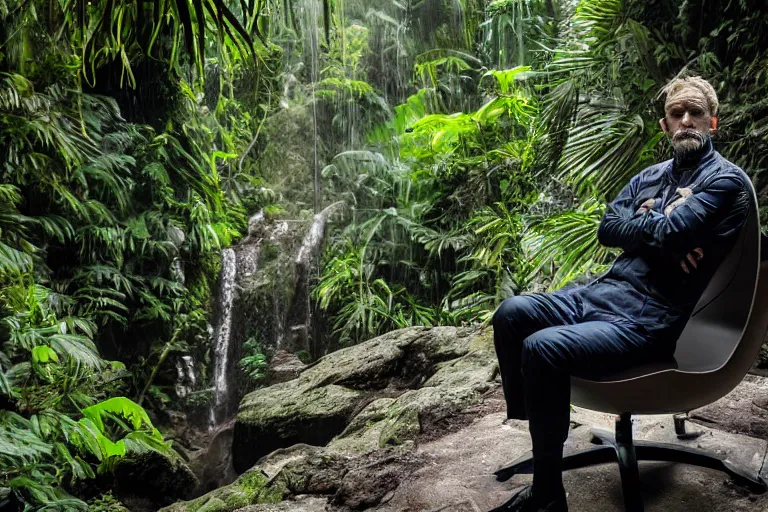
(414, 421)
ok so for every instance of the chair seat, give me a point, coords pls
(636, 371)
(714, 336)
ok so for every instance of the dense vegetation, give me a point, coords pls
(474, 144)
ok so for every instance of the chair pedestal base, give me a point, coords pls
(623, 449)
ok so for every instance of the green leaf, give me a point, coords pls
(43, 354)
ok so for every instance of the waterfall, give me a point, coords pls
(313, 9)
(300, 315)
(242, 278)
(312, 240)
(223, 334)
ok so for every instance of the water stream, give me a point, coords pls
(223, 334)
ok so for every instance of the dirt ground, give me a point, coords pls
(458, 473)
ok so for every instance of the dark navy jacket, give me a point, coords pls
(646, 284)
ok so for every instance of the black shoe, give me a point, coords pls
(524, 501)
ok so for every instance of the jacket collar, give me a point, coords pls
(683, 170)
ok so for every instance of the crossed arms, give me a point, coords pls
(677, 233)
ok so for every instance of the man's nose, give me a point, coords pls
(687, 120)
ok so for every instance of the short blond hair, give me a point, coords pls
(675, 85)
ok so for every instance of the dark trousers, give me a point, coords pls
(543, 339)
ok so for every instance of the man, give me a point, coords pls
(675, 222)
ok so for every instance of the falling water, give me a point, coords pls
(311, 241)
(300, 316)
(312, 19)
(223, 333)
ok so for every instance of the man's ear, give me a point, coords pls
(713, 124)
(663, 124)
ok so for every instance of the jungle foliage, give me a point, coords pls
(110, 228)
(474, 144)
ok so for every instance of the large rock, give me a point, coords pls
(250, 488)
(369, 404)
(421, 374)
(455, 385)
(286, 414)
(157, 478)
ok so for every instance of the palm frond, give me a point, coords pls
(565, 245)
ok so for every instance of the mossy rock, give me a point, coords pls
(455, 385)
(368, 366)
(405, 358)
(404, 425)
(159, 478)
(251, 488)
(449, 367)
(317, 471)
(363, 432)
(306, 504)
(287, 414)
(213, 505)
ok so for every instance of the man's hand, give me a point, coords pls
(684, 193)
(692, 257)
(647, 205)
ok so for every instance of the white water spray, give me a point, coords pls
(223, 333)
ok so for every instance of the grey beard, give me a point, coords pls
(686, 142)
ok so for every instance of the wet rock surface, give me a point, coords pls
(212, 465)
(283, 367)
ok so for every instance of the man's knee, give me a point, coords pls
(511, 312)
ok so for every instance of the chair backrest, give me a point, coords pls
(714, 334)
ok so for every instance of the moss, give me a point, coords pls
(269, 252)
(250, 489)
(483, 341)
(106, 503)
(213, 505)
(253, 483)
(404, 425)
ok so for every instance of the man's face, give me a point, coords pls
(688, 121)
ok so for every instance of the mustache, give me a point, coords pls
(687, 134)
